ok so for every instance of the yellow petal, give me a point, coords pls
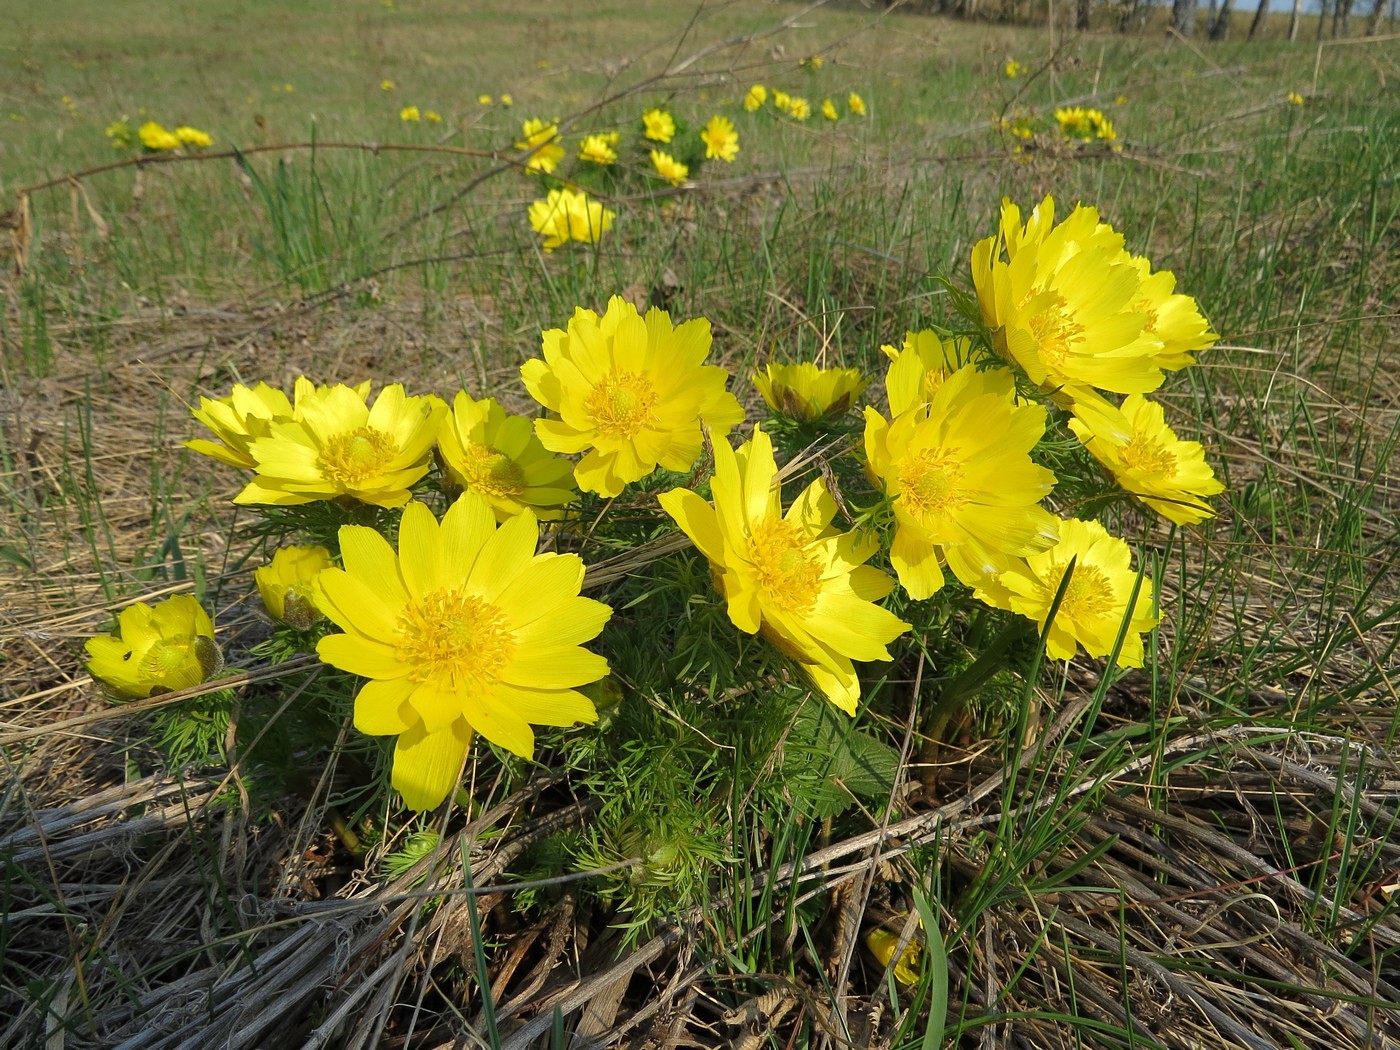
(554, 667)
(380, 709)
(367, 555)
(427, 765)
(362, 656)
(420, 559)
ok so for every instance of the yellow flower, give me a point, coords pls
(386, 85)
(920, 367)
(829, 110)
(568, 215)
(1295, 99)
(1061, 305)
(756, 96)
(157, 649)
(782, 101)
(813, 62)
(598, 149)
(721, 140)
(882, 944)
(246, 414)
(1169, 475)
(670, 169)
(410, 115)
(337, 445)
(658, 125)
(799, 108)
(484, 100)
(156, 139)
(1086, 124)
(287, 585)
(464, 630)
(1174, 320)
(961, 479)
(1014, 69)
(119, 131)
(856, 104)
(507, 100)
(807, 393)
(499, 457)
(1095, 603)
(632, 392)
(188, 136)
(542, 140)
(432, 117)
(1121, 100)
(793, 577)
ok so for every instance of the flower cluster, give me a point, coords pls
(1086, 125)
(462, 626)
(797, 107)
(154, 138)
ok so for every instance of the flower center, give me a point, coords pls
(1147, 455)
(1089, 595)
(931, 483)
(1055, 329)
(790, 577)
(455, 640)
(353, 457)
(621, 405)
(164, 658)
(492, 473)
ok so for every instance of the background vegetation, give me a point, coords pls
(1203, 853)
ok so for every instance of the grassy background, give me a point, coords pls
(1122, 890)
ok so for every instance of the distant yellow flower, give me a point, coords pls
(1096, 601)
(1295, 99)
(463, 630)
(157, 649)
(1014, 69)
(246, 414)
(287, 585)
(1061, 305)
(484, 100)
(339, 446)
(1121, 100)
(119, 131)
(813, 62)
(721, 140)
(156, 139)
(807, 393)
(961, 479)
(829, 110)
(631, 392)
(756, 96)
(658, 125)
(792, 577)
(598, 149)
(386, 85)
(855, 104)
(507, 100)
(799, 108)
(568, 215)
(410, 115)
(288, 88)
(1085, 124)
(500, 458)
(432, 117)
(782, 101)
(189, 136)
(670, 169)
(542, 139)
(1169, 475)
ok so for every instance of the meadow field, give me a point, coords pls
(996, 846)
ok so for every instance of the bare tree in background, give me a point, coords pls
(1184, 17)
(1324, 8)
(1081, 15)
(1341, 19)
(1373, 24)
(1220, 28)
(1259, 13)
(1294, 19)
